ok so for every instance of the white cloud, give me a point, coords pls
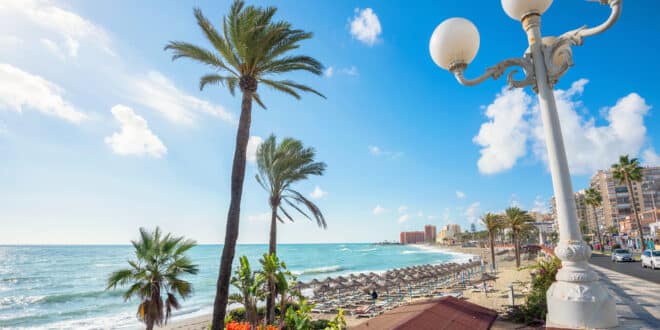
(378, 210)
(365, 26)
(134, 137)
(472, 212)
(374, 150)
(650, 157)
(260, 218)
(20, 90)
(403, 218)
(402, 208)
(460, 194)
(540, 205)
(515, 119)
(431, 217)
(420, 214)
(318, 193)
(157, 92)
(503, 138)
(253, 144)
(53, 48)
(63, 27)
(590, 147)
(377, 151)
(352, 71)
(329, 71)
(10, 41)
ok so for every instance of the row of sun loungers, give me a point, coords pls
(394, 288)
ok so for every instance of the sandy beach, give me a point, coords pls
(507, 274)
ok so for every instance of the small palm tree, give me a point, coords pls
(275, 273)
(280, 166)
(250, 287)
(518, 221)
(156, 273)
(625, 172)
(493, 224)
(594, 199)
(251, 49)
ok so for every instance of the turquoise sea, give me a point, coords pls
(63, 286)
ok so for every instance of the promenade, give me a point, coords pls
(637, 300)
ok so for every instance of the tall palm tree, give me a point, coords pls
(280, 166)
(251, 49)
(518, 221)
(593, 198)
(625, 172)
(156, 273)
(493, 223)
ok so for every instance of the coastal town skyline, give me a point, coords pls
(128, 140)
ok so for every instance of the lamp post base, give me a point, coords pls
(580, 306)
(577, 300)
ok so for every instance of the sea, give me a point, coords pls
(63, 287)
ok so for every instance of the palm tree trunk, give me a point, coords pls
(634, 209)
(516, 247)
(600, 238)
(272, 243)
(272, 249)
(233, 215)
(282, 311)
(492, 250)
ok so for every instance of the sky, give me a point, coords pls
(102, 133)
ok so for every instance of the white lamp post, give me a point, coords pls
(576, 299)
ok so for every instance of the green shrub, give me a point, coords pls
(616, 246)
(238, 314)
(320, 324)
(534, 310)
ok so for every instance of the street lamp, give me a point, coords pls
(576, 299)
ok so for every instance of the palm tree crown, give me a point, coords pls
(625, 172)
(156, 273)
(493, 223)
(282, 165)
(250, 49)
(593, 198)
(518, 221)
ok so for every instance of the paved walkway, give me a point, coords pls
(637, 300)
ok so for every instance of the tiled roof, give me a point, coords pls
(444, 313)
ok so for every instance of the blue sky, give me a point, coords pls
(100, 133)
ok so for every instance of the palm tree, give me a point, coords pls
(160, 262)
(274, 272)
(594, 199)
(493, 223)
(251, 48)
(250, 289)
(625, 172)
(518, 221)
(280, 166)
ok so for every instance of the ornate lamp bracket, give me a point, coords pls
(558, 56)
(498, 70)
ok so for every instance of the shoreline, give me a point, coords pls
(201, 322)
